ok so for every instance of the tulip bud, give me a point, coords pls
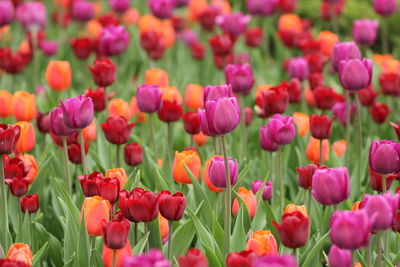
(103, 72)
(189, 158)
(58, 75)
(239, 77)
(276, 261)
(57, 124)
(117, 130)
(217, 173)
(6, 12)
(82, 47)
(298, 68)
(78, 111)
(194, 257)
(326, 98)
(321, 126)
(365, 31)
(240, 259)
(113, 40)
(254, 36)
(379, 112)
(281, 129)
(118, 173)
(339, 257)
(6, 107)
(148, 98)
(96, 209)
(108, 189)
(74, 152)
(380, 152)
(133, 154)
(355, 74)
(82, 10)
(142, 205)
(367, 96)
(29, 203)
(221, 45)
(343, 52)
(265, 140)
(173, 206)
(268, 189)
(262, 242)
(262, 8)
(32, 15)
(272, 101)
(385, 7)
(26, 141)
(249, 200)
(162, 9)
(119, 107)
(24, 106)
(212, 92)
(156, 76)
(306, 173)
(43, 122)
(170, 111)
(98, 98)
(89, 183)
(9, 136)
(115, 232)
(390, 83)
(233, 23)
(20, 252)
(191, 122)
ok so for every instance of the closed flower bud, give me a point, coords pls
(281, 129)
(239, 77)
(9, 136)
(267, 191)
(98, 98)
(367, 96)
(321, 126)
(302, 122)
(339, 257)
(265, 140)
(108, 189)
(24, 106)
(162, 9)
(365, 31)
(326, 98)
(89, 183)
(148, 98)
(344, 51)
(254, 36)
(82, 10)
(385, 7)
(355, 74)
(191, 122)
(82, 47)
(262, 8)
(96, 209)
(221, 45)
(26, 141)
(115, 232)
(6, 107)
(142, 205)
(379, 112)
(43, 122)
(298, 68)
(20, 252)
(249, 200)
(29, 203)
(379, 154)
(305, 175)
(113, 40)
(118, 173)
(57, 124)
(103, 72)
(156, 76)
(272, 101)
(262, 242)
(173, 206)
(212, 92)
(233, 23)
(74, 152)
(241, 259)
(117, 130)
(78, 111)
(189, 158)
(6, 12)
(119, 107)
(194, 96)
(170, 111)
(32, 15)
(194, 257)
(58, 75)
(133, 154)
(217, 174)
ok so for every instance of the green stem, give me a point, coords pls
(66, 164)
(320, 152)
(4, 241)
(280, 179)
(92, 248)
(118, 156)
(170, 240)
(295, 253)
(385, 44)
(82, 143)
(243, 126)
(309, 201)
(20, 215)
(136, 232)
(31, 233)
(360, 144)
(384, 189)
(380, 254)
(153, 137)
(215, 145)
(348, 127)
(114, 258)
(369, 254)
(169, 144)
(34, 34)
(146, 230)
(228, 192)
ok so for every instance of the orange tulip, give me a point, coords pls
(192, 160)
(98, 8)
(312, 151)
(4, 33)
(248, 198)
(262, 88)
(30, 163)
(309, 96)
(224, 5)
(290, 22)
(6, 107)
(24, 106)
(302, 122)
(90, 132)
(200, 139)
(194, 96)
(20, 252)
(119, 107)
(327, 40)
(24, 47)
(262, 242)
(207, 180)
(357, 264)
(156, 76)
(58, 75)
(149, 23)
(131, 16)
(195, 7)
(26, 140)
(290, 208)
(168, 33)
(118, 173)
(164, 228)
(140, 116)
(108, 255)
(356, 206)
(339, 147)
(171, 94)
(93, 28)
(96, 209)
(387, 63)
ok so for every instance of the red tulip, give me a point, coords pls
(82, 47)
(29, 203)
(198, 51)
(294, 229)
(275, 100)
(326, 97)
(108, 189)
(170, 111)
(103, 72)
(9, 136)
(98, 98)
(89, 183)
(367, 96)
(117, 130)
(294, 90)
(221, 45)
(320, 126)
(18, 185)
(193, 258)
(133, 154)
(74, 152)
(115, 232)
(306, 173)
(191, 122)
(240, 259)
(396, 128)
(254, 36)
(173, 206)
(390, 83)
(375, 180)
(379, 112)
(43, 122)
(142, 205)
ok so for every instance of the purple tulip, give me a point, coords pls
(274, 261)
(217, 174)
(340, 112)
(344, 51)
(331, 186)
(212, 92)
(355, 74)
(281, 129)
(382, 208)
(49, 48)
(113, 40)
(82, 10)
(298, 68)
(350, 229)
(268, 188)
(385, 7)
(57, 124)
(262, 7)
(233, 23)
(78, 111)
(148, 98)
(220, 116)
(365, 31)
(119, 5)
(152, 258)
(189, 37)
(339, 257)
(181, 3)
(161, 9)
(6, 12)
(239, 77)
(265, 141)
(384, 157)
(32, 15)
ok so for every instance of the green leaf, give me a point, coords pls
(69, 204)
(155, 236)
(83, 248)
(310, 257)
(242, 176)
(259, 219)
(37, 258)
(141, 244)
(212, 257)
(239, 235)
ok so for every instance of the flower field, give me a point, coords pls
(196, 133)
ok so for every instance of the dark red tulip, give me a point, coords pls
(375, 180)
(221, 45)
(320, 126)
(275, 100)
(43, 122)
(294, 90)
(326, 97)
(305, 174)
(117, 130)
(14, 167)
(173, 206)
(115, 232)
(18, 185)
(316, 79)
(379, 112)
(191, 122)
(331, 9)
(367, 96)
(254, 36)
(82, 47)
(178, 23)
(108, 19)
(170, 111)
(142, 205)
(294, 229)
(29, 203)
(198, 51)
(240, 259)
(12, 263)
(123, 204)
(74, 152)
(289, 38)
(316, 62)
(14, 63)
(103, 72)
(133, 154)
(98, 98)
(396, 223)
(108, 188)
(207, 17)
(89, 183)
(9, 136)
(396, 128)
(58, 140)
(390, 83)
(248, 115)
(287, 6)
(194, 258)
(150, 40)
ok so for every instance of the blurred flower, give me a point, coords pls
(233, 23)
(265, 140)
(206, 176)
(148, 98)
(212, 92)
(103, 72)
(49, 48)
(89, 183)
(89, 133)
(152, 258)
(194, 96)
(272, 101)
(82, 47)
(249, 200)
(367, 96)
(191, 159)
(171, 206)
(57, 123)
(217, 174)
(16, 181)
(298, 68)
(396, 128)
(31, 167)
(262, 242)
(281, 129)
(118, 107)
(6, 107)
(113, 40)
(365, 31)
(262, 8)
(82, 10)
(239, 77)
(339, 147)
(119, 5)
(321, 126)
(313, 150)
(24, 106)
(343, 52)
(390, 83)
(58, 75)
(355, 74)
(133, 154)
(193, 257)
(200, 139)
(97, 97)
(326, 97)
(74, 152)
(6, 12)
(26, 140)
(157, 77)
(20, 252)
(275, 260)
(339, 257)
(305, 175)
(267, 191)
(117, 130)
(302, 122)
(121, 254)
(221, 45)
(191, 122)
(162, 9)
(385, 7)
(32, 15)
(77, 111)
(29, 203)
(379, 154)
(43, 122)
(115, 232)
(170, 111)
(340, 112)
(254, 36)
(118, 173)
(95, 209)
(241, 259)
(164, 228)
(327, 40)
(379, 112)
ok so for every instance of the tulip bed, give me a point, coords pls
(198, 133)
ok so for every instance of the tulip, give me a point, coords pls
(376, 180)
(212, 92)
(198, 51)
(275, 260)
(117, 130)
(344, 51)
(121, 254)
(385, 8)
(221, 45)
(164, 228)
(152, 258)
(268, 189)
(233, 23)
(193, 257)
(262, 242)
(365, 31)
(26, 140)
(89, 183)
(118, 173)
(302, 122)
(98, 98)
(262, 8)
(103, 72)
(217, 175)
(24, 106)
(58, 75)
(367, 96)
(326, 98)
(173, 206)
(390, 83)
(249, 200)
(115, 232)
(170, 111)
(275, 100)
(49, 48)
(206, 176)
(254, 36)
(142, 205)
(82, 10)
(191, 122)
(265, 140)
(6, 12)
(339, 257)
(298, 68)
(78, 111)
(157, 77)
(313, 150)
(96, 209)
(30, 165)
(113, 40)
(9, 136)
(281, 129)
(380, 152)
(20, 252)
(108, 189)
(340, 112)
(43, 122)
(162, 9)
(6, 107)
(74, 152)
(355, 74)
(350, 229)
(82, 47)
(12, 263)
(241, 259)
(379, 112)
(194, 96)
(192, 161)
(29, 203)
(382, 208)
(18, 184)
(294, 229)
(305, 175)
(119, 5)
(133, 154)
(171, 93)
(321, 126)
(32, 15)
(290, 208)
(148, 98)
(118, 107)
(239, 77)
(57, 124)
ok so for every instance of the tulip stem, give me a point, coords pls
(227, 219)
(380, 255)
(114, 258)
(31, 232)
(170, 240)
(83, 155)
(4, 241)
(215, 145)
(295, 253)
(334, 21)
(243, 126)
(20, 214)
(118, 156)
(66, 165)
(280, 179)
(348, 125)
(369, 254)
(320, 152)
(384, 188)
(146, 230)
(136, 232)
(153, 137)
(385, 46)
(309, 201)
(360, 145)
(169, 144)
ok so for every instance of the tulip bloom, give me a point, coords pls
(339, 257)
(241, 259)
(95, 209)
(189, 158)
(115, 232)
(82, 10)
(365, 31)
(118, 173)
(30, 165)
(343, 52)
(265, 140)
(321, 126)
(350, 229)
(162, 9)
(58, 75)
(156, 76)
(191, 122)
(272, 101)
(262, 242)
(29, 203)
(133, 154)
(89, 183)
(117, 130)
(98, 98)
(74, 152)
(20, 252)
(121, 254)
(153, 257)
(355, 74)
(32, 15)
(212, 92)
(6, 107)
(233, 23)
(78, 111)
(294, 229)
(82, 47)
(302, 122)
(148, 98)
(43, 122)
(267, 191)
(206, 176)
(249, 200)
(313, 150)
(276, 261)
(385, 7)
(281, 129)
(193, 97)
(142, 205)
(382, 208)
(26, 140)
(173, 206)
(193, 257)
(217, 175)
(104, 72)
(113, 40)
(305, 175)
(170, 111)
(119, 107)
(6, 12)
(298, 68)
(57, 124)
(9, 136)
(379, 154)
(108, 189)
(239, 77)
(24, 106)
(261, 8)
(379, 112)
